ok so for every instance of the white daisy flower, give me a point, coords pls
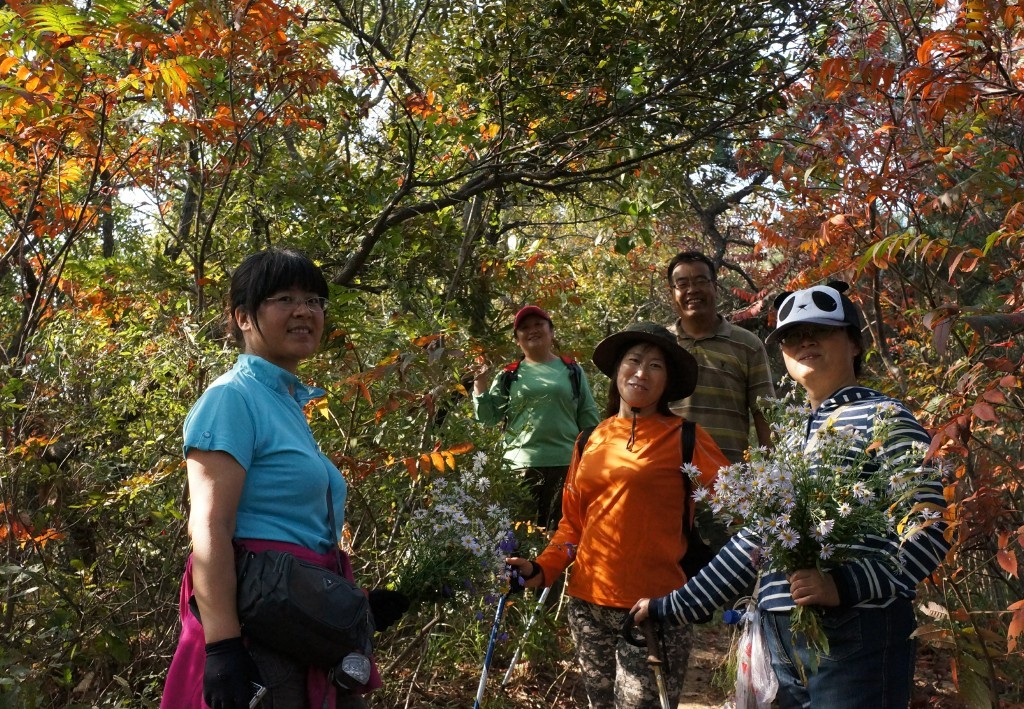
(788, 537)
(861, 492)
(690, 470)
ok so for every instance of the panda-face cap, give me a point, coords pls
(817, 305)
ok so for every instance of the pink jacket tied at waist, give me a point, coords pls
(184, 686)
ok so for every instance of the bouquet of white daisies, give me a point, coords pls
(812, 504)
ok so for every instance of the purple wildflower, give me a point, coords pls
(508, 543)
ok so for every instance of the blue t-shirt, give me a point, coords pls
(254, 413)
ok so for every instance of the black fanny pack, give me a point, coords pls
(309, 613)
(302, 610)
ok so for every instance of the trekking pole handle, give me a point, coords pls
(651, 641)
(627, 631)
(653, 645)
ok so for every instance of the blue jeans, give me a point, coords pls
(870, 661)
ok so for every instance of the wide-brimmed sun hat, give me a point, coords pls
(682, 366)
(817, 305)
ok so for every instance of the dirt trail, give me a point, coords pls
(710, 647)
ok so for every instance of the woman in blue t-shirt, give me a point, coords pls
(258, 480)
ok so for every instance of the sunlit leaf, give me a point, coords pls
(1016, 628)
(57, 18)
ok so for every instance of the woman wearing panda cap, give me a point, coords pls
(867, 603)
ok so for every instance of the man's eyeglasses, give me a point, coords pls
(315, 304)
(814, 333)
(698, 282)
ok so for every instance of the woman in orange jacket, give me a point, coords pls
(625, 517)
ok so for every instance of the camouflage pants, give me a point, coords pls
(615, 673)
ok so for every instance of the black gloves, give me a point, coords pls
(229, 675)
(517, 581)
(387, 607)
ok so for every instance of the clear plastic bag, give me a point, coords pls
(756, 684)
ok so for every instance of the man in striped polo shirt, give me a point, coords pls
(733, 364)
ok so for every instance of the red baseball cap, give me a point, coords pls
(528, 310)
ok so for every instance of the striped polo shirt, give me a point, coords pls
(732, 373)
(889, 567)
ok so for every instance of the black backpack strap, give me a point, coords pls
(581, 440)
(689, 434)
(688, 441)
(508, 375)
(698, 553)
(575, 375)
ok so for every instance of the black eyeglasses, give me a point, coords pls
(315, 304)
(698, 282)
(807, 332)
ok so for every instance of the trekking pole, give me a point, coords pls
(491, 648)
(526, 631)
(654, 659)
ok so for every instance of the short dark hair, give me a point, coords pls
(690, 257)
(615, 398)
(857, 338)
(264, 273)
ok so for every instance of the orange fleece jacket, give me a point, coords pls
(622, 512)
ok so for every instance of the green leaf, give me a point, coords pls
(974, 689)
(59, 19)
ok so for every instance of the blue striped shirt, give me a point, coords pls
(890, 568)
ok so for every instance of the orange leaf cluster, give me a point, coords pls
(12, 526)
(423, 105)
(438, 460)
